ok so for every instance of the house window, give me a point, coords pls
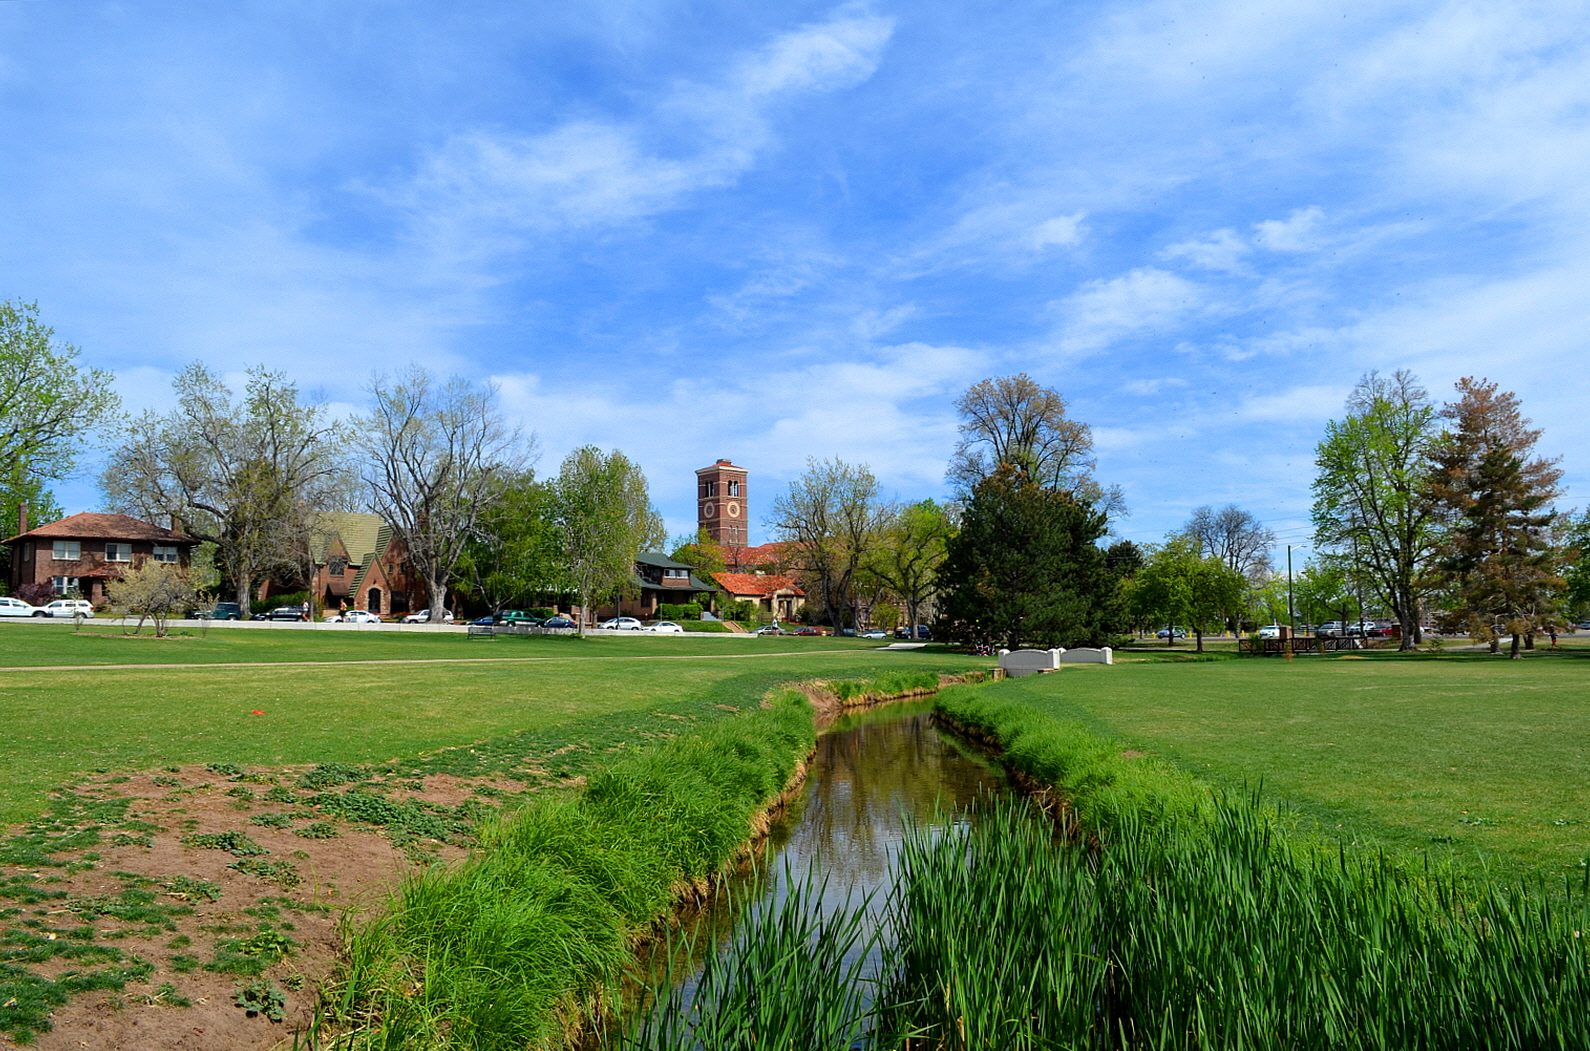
(337, 567)
(64, 585)
(27, 552)
(734, 488)
(165, 553)
(677, 573)
(115, 552)
(68, 551)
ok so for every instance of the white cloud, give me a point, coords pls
(1309, 405)
(1063, 230)
(1296, 233)
(1141, 300)
(1221, 250)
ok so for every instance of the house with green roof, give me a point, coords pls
(361, 563)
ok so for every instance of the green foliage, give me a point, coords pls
(329, 775)
(191, 889)
(1179, 587)
(1025, 569)
(317, 830)
(262, 998)
(236, 843)
(701, 553)
(514, 553)
(271, 820)
(678, 611)
(284, 873)
(605, 518)
(1576, 560)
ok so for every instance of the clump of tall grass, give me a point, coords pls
(795, 975)
(530, 934)
(894, 684)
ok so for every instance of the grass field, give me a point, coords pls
(1470, 757)
(516, 696)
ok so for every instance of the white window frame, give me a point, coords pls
(165, 553)
(64, 586)
(67, 550)
(115, 551)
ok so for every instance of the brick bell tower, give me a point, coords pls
(720, 503)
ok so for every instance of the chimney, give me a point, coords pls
(176, 523)
(22, 518)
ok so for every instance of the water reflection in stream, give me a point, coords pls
(874, 775)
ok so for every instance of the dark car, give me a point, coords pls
(847, 633)
(1170, 633)
(808, 631)
(283, 613)
(223, 611)
(559, 621)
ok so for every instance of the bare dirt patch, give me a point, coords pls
(201, 907)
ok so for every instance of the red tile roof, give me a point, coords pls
(756, 583)
(91, 525)
(761, 555)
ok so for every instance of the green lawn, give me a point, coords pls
(513, 696)
(1477, 758)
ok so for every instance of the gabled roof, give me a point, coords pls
(92, 525)
(359, 532)
(661, 561)
(761, 555)
(757, 583)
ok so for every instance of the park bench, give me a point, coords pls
(482, 631)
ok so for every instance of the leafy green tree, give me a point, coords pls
(1011, 421)
(1576, 561)
(911, 549)
(47, 407)
(701, 553)
(514, 554)
(1498, 555)
(1026, 569)
(605, 518)
(1181, 588)
(835, 518)
(1371, 495)
(246, 475)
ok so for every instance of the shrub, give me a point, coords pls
(35, 594)
(265, 605)
(679, 611)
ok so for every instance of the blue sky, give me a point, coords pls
(773, 231)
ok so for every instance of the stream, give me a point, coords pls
(875, 774)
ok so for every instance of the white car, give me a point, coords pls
(424, 617)
(69, 607)
(875, 633)
(665, 627)
(620, 624)
(15, 607)
(356, 616)
(1270, 631)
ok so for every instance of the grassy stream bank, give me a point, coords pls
(525, 941)
(1128, 905)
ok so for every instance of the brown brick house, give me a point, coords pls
(773, 593)
(362, 563)
(79, 553)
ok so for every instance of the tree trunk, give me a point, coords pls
(438, 591)
(1199, 634)
(1513, 650)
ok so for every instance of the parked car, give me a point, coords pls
(620, 624)
(222, 611)
(847, 633)
(875, 633)
(356, 616)
(15, 607)
(1380, 631)
(516, 616)
(809, 630)
(664, 627)
(1332, 629)
(1170, 633)
(922, 632)
(770, 629)
(284, 613)
(424, 617)
(557, 621)
(69, 607)
(1270, 631)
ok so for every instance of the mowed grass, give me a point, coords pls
(581, 700)
(1475, 758)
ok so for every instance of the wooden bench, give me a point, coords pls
(482, 631)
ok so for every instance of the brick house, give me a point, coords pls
(659, 579)
(362, 563)
(773, 593)
(80, 553)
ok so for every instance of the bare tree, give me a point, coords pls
(246, 476)
(153, 591)
(835, 519)
(605, 519)
(1011, 420)
(434, 456)
(1235, 537)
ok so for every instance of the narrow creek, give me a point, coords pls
(875, 774)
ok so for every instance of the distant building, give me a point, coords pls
(77, 555)
(659, 579)
(721, 507)
(362, 563)
(772, 593)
